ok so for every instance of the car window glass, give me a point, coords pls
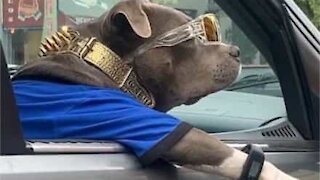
(255, 98)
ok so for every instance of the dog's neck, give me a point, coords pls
(122, 43)
(122, 47)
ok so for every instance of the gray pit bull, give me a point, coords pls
(181, 74)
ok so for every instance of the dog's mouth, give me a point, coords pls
(193, 100)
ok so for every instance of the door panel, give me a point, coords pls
(123, 166)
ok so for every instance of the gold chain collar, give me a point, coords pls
(95, 53)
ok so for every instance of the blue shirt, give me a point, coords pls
(51, 110)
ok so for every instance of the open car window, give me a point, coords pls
(255, 98)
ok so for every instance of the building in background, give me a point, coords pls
(24, 23)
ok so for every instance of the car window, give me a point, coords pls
(250, 101)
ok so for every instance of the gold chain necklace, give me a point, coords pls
(95, 53)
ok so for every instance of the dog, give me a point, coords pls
(174, 75)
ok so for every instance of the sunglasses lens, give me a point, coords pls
(211, 28)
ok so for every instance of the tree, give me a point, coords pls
(312, 9)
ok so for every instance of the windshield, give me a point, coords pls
(25, 23)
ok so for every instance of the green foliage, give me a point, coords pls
(312, 9)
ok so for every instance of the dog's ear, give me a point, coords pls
(130, 15)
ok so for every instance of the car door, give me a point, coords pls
(287, 41)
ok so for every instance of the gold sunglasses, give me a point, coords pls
(205, 28)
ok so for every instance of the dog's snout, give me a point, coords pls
(234, 51)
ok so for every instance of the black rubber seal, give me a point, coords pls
(254, 163)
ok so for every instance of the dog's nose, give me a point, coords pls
(234, 51)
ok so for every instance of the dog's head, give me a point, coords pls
(179, 74)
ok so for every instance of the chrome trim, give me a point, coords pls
(70, 147)
(96, 147)
(242, 145)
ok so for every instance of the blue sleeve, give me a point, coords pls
(97, 114)
(148, 133)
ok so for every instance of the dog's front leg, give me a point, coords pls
(197, 150)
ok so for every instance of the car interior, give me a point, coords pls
(280, 136)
